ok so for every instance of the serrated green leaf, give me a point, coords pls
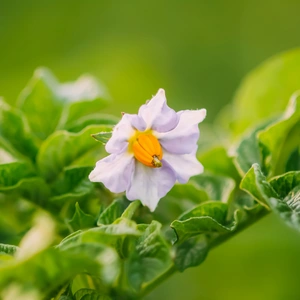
(93, 119)
(14, 128)
(64, 149)
(266, 90)
(191, 252)
(81, 220)
(288, 206)
(113, 211)
(150, 258)
(255, 184)
(217, 187)
(281, 138)
(208, 217)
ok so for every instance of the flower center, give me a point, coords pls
(147, 149)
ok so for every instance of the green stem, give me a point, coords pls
(148, 287)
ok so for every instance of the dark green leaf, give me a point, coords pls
(191, 252)
(208, 217)
(150, 258)
(88, 294)
(8, 249)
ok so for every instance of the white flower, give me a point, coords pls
(150, 151)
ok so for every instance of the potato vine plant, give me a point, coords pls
(64, 237)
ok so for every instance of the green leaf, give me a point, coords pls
(14, 128)
(217, 187)
(208, 217)
(72, 185)
(88, 294)
(81, 220)
(93, 119)
(8, 249)
(288, 206)
(102, 137)
(63, 149)
(248, 151)
(191, 252)
(34, 189)
(113, 211)
(41, 104)
(217, 160)
(281, 138)
(150, 258)
(255, 184)
(266, 90)
(84, 96)
(12, 173)
(47, 104)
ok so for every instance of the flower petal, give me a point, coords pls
(157, 114)
(114, 171)
(150, 184)
(183, 138)
(184, 166)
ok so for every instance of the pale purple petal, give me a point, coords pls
(114, 171)
(157, 114)
(183, 138)
(185, 165)
(150, 184)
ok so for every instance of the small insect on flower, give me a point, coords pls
(150, 151)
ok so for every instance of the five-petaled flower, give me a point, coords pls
(150, 151)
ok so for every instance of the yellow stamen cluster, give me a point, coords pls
(146, 149)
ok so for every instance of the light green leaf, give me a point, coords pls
(255, 184)
(266, 90)
(93, 119)
(217, 160)
(12, 173)
(281, 138)
(14, 128)
(63, 149)
(191, 252)
(113, 211)
(102, 137)
(41, 104)
(217, 187)
(208, 217)
(81, 220)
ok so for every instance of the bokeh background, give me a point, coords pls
(198, 51)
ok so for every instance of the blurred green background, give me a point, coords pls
(198, 51)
